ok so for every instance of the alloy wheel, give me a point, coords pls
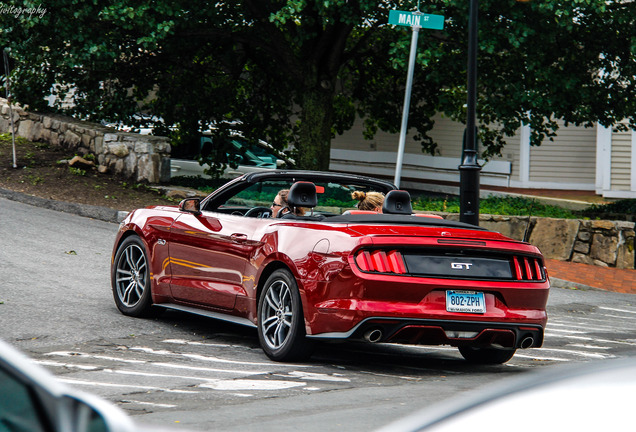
(131, 275)
(277, 314)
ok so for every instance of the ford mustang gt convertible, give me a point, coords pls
(332, 272)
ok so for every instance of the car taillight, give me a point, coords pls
(380, 261)
(527, 268)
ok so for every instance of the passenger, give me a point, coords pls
(369, 201)
(280, 204)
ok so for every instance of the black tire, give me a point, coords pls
(130, 278)
(281, 326)
(487, 355)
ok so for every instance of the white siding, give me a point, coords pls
(449, 136)
(621, 161)
(568, 162)
(569, 159)
(511, 153)
(351, 152)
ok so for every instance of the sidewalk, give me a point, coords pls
(584, 276)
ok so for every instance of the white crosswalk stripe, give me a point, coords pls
(584, 336)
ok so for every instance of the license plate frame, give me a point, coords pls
(465, 301)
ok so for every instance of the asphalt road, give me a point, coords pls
(197, 373)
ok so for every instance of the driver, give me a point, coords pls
(280, 204)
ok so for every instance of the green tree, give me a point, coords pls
(297, 72)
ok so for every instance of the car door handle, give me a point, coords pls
(238, 237)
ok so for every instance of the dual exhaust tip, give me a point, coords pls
(527, 342)
(374, 335)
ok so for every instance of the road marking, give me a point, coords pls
(549, 328)
(186, 342)
(601, 340)
(311, 376)
(207, 358)
(579, 353)
(100, 357)
(158, 405)
(585, 322)
(138, 387)
(167, 365)
(66, 365)
(149, 374)
(540, 357)
(235, 385)
(208, 344)
(589, 346)
(617, 310)
(205, 369)
(619, 317)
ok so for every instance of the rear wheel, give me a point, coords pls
(487, 355)
(281, 326)
(130, 278)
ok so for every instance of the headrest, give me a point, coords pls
(397, 202)
(302, 194)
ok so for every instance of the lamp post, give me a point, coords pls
(469, 169)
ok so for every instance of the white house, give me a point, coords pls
(588, 159)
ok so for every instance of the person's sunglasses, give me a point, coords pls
(276, 205)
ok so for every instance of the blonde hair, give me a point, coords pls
(368, 200)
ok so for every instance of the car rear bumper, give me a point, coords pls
(442, 332)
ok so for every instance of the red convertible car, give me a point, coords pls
(333, 273)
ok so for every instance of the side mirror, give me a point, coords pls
(191, 205)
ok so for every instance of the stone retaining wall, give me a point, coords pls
(140, 158)
(598, 242)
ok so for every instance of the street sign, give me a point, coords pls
(416, 19)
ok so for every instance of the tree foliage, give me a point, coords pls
(298, 72)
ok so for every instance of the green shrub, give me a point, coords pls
(497, 205)
(625, 206)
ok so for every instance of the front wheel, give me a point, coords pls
(130, 278)
(281, 326)
(487, 355)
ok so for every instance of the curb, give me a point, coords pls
(562, 283)
(105, 214)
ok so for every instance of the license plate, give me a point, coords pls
(465, 301)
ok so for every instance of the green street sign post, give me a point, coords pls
(415, 20)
